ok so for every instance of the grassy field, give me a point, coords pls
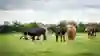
(10, 45)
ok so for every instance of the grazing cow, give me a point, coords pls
(71, 31)
(91, 29)
(35, 32)
(59, 32)
(91, 32)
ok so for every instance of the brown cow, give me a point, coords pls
(71, 31)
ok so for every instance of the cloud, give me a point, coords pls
(49, 11)
(48, 5)
(29, 15)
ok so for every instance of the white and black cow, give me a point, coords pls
(33, 32)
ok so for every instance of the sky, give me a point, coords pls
(49, 11)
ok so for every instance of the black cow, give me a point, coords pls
(35, 32)
(59, 32)
(91, 32)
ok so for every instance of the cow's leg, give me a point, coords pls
(56, 37)
(33, 38)
(44, 36)
(92, 33)
(25, 37)
(95, 33)
(64, 38)
(61, 38)
(89, 33)
(38, 38)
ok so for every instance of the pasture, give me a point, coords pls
(11, 45)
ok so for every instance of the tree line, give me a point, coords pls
(18, 27)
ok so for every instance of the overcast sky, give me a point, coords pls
(49, 11)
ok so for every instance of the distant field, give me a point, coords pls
(10, 45)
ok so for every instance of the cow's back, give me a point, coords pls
(34, 31)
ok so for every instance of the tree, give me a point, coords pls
(5, 28)
(81, 27)
(31, 25)
(16, 23)
(98, 27)
(16, 26)
(6, 22)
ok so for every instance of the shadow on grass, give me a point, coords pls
(11, 54)
(19, 54)
(91, 37)
(46, 51)
(87, 54)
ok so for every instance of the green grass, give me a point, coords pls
(10, 45)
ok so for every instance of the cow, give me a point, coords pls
(71, 31)
(58, 31)
(91, 31)
(33, 32)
